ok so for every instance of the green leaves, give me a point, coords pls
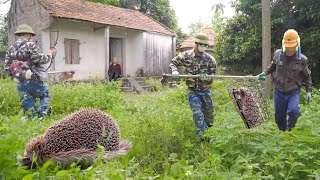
(165, 145)
(238, 47)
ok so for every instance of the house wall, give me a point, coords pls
(92, 48)
(144, 53)
(28, 12)
(159, 51)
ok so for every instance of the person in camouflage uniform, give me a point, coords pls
(289, 70)
(33, 87)
(198, 62)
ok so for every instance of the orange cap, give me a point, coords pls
(290, 38)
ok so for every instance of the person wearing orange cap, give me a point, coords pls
(289, 69)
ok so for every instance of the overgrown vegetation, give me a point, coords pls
(164, 142)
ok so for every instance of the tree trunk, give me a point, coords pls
(266, 42)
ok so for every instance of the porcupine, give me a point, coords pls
(76, 137)
(249, 106)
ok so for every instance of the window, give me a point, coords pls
(72, 53)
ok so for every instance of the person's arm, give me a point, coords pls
(119, 69)
(177, 61)
(272, 67)
(306, 73)
(9, 58)
(36, 57)
(212, 67)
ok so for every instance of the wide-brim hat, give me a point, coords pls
(22, 29)
(201, 38)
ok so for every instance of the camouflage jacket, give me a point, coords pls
(289, 73)
(24, 50)
(195, 65)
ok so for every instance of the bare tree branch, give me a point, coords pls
(5, 1)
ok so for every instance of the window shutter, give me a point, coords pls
(75, 52)
(67, 50)
(72, 52)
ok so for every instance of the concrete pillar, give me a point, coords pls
(107, 53)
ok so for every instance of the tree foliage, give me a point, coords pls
(218, 19)
(180, 36)
(3, 33)
(196, 27)
(239, 45)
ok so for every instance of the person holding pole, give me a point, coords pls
(289, 70)
(198, 62)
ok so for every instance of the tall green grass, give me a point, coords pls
(164, 142)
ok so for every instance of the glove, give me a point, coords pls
(262, 76)
(175, 76)
(308, 97)
(28, 74)
(203, 76)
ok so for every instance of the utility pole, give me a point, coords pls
(266, 43)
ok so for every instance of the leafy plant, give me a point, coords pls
(165, 145)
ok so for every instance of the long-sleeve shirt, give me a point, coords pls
(114, 69)
(289, 72)
(23, 50)
(194, 65)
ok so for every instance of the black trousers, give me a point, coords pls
(113, 76)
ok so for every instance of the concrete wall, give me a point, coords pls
(133, 53)
(27, 12)
(142, 51)
(92, 48)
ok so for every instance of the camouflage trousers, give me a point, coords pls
(202, 108)
(29, 92)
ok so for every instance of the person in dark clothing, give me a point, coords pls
(114, 71)
(289, 70)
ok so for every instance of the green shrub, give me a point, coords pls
(164, 142)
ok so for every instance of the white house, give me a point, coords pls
(88, 35)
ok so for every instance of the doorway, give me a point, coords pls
(116, 51)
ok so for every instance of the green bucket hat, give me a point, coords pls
(24, 29)
(201, 38)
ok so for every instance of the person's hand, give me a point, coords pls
(262, 76)
(203, 76)
(53, 51)
(28, 74)
(175, 76)
(308, 97)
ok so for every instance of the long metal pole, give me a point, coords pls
(214, 76)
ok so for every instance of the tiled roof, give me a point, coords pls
(189, 41)
(104, 14)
